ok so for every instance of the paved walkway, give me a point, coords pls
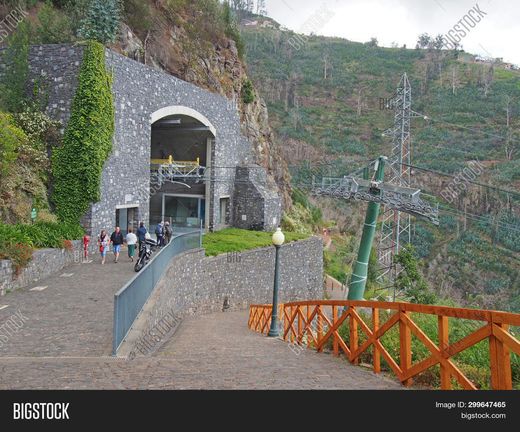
(72, 316)
(66, 341)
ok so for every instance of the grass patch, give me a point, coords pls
(236, 240)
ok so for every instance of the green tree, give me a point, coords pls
(14, 80)
(438, 42)
(102, 21)
(232, 28)
(373, 42)
(411, 280)
(424, 40)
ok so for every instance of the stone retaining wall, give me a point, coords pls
(44, 263)
(196, 284)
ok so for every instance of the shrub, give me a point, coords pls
(18, 241)
(35, 123)
(11, 139)
(77, 165)
(67, 244)
(298, 220)
(410, 280)
(248, 95)
(101, 22)
(40, 234)
(19, 253)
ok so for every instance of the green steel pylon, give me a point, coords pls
(359, 274)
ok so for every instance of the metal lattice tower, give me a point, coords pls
(396, 225)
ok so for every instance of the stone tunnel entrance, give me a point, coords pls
(181, 142)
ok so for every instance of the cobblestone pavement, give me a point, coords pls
(72, 316)
(215, 351)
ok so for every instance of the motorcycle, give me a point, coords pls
(145, 253)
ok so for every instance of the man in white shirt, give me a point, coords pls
(131, 240)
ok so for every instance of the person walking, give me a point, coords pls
(103, 243)
(159, 233)
(167, 232)
(131, 240)
(117, 241)
(141, 233)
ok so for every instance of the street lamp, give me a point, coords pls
(278, 239)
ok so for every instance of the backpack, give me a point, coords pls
(158, 229)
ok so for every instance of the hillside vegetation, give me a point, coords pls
(326, 103)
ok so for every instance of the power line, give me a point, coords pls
(468, 181)
(469, 128)
(481, 218)
(453, 149)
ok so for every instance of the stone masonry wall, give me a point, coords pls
(196, 284)
(255, 205)
(139, 91)
(44, 263)
(54, 70)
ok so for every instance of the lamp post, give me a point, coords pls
(278, 239)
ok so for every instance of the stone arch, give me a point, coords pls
(182, 110)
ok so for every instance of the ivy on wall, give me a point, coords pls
(77, 165)
(14, 78)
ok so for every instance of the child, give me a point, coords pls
(103, 242)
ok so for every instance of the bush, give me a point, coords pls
(18, 241)
(248, 95)
(19, 253)
(77, 165)
(40, 234)
(298, 220)
(11, 139)
(101, 22)
(411, 280)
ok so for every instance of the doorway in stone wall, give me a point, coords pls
(127, 218)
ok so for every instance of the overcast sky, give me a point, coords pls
(401, 21)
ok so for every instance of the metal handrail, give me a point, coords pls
(131, 298)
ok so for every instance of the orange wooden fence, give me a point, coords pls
(314, 323)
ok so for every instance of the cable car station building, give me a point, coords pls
(178, 152)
